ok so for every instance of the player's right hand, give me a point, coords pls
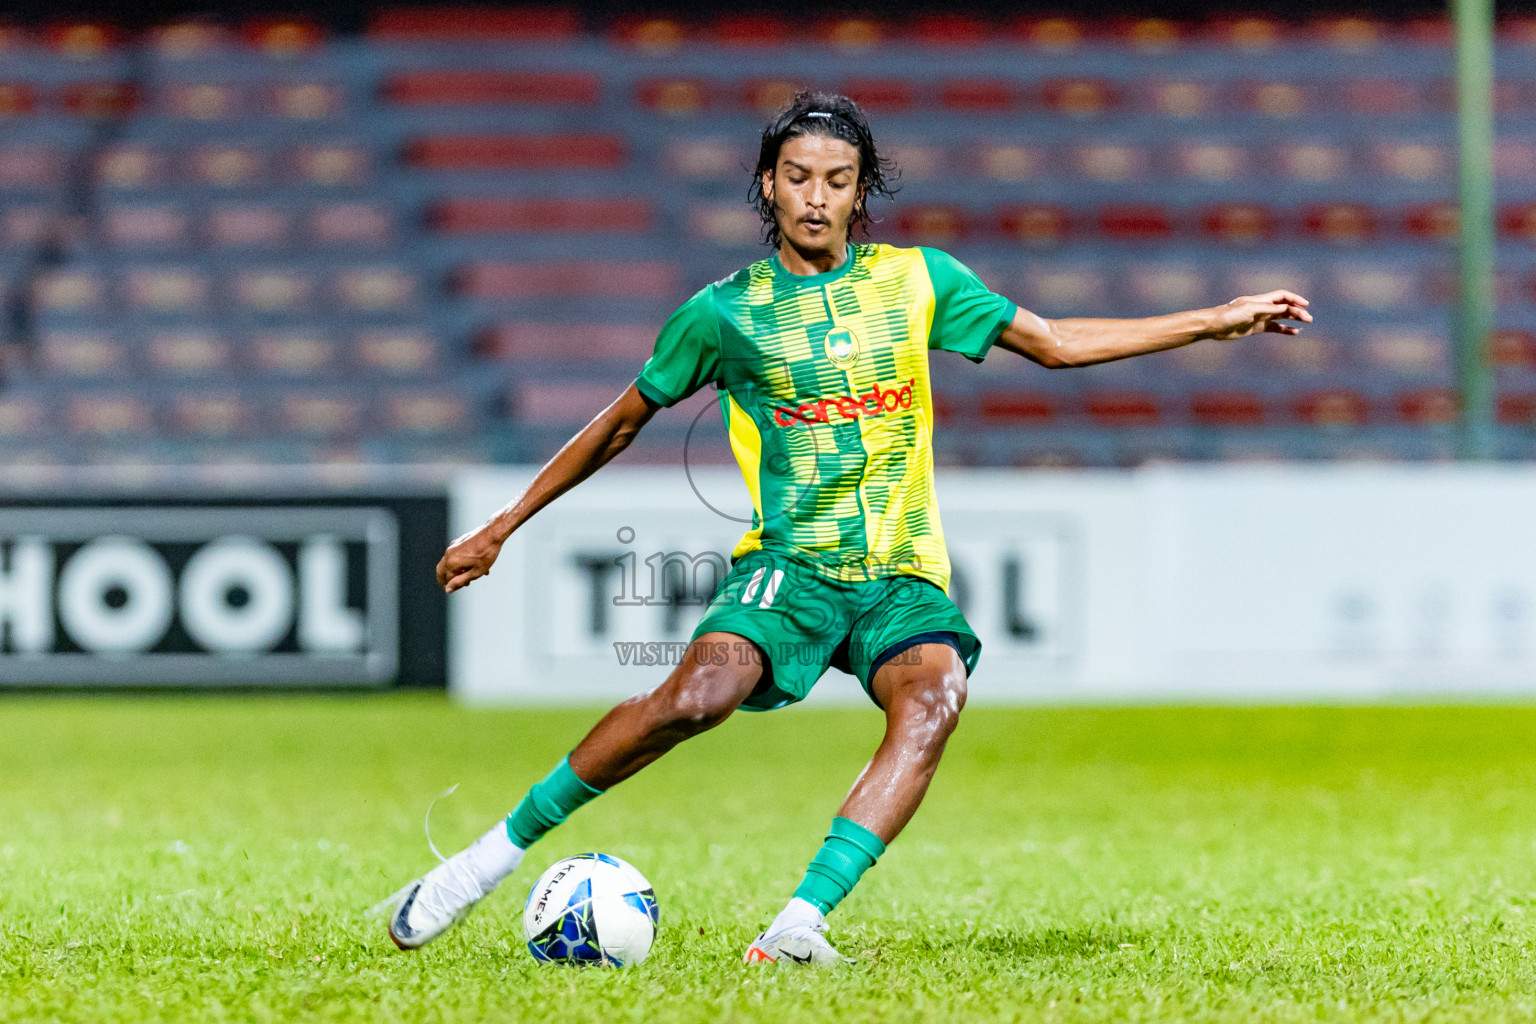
(467, 559)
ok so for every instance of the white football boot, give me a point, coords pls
(799, 944)
(432, 904)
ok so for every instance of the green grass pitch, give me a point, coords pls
(174, 859)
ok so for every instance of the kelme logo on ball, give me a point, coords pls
(842, 347)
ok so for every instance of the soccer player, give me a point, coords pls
(820, 356)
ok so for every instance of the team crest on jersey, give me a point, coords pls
(842, 347)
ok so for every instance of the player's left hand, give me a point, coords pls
(467, 559)
(1260, 314)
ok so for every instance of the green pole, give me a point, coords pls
(1474, 99)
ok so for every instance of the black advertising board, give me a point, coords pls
(313, 591)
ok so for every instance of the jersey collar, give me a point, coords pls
(815, 280)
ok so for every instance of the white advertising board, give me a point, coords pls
(1189, 583)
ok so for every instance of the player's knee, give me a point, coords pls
(933, 705)
(696, 702)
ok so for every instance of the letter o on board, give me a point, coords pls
(124, 565)
(237, 564)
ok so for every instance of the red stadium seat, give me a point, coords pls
(353, 224)
(1337, 407)
(749, 30)
(282, 37)
(165, 289)
(1348, 32)
(1518, 221)
(1036, 225)
(304, 101)
(17, 99)
(202, 101)
(1246, 32)
(403, 351)
(1142, 223)
(145, 226)
(850, 33)
(190, 352)
(426, 412)
(1518, 31)
(932, 224)
(1514, 160)
(1050, 33)
(1516, 410)
(500, 88)
(84, 40)
(1123, 409)
(1383, 97)
(1227, 409)
(321, 415)
(1432, 222)
(476, 25)
(649, 33)
(1508, 347)
(1014, 407)
(82, 353)
(212, 415)
(292, 353)
(886, 95)
(247, 226)
(1149, 35)
(675, 97)
(1239, 223)
(516, 152)
(108, 415)
(228, 166)
(560, 342)
(181, 40)
(768, 96)
(1428, 30)
(1428, 406)
(708, 158)
(271, 291)
(947, 29)
(330, 165)
(101, 99)
(29, 166)
(376, 289)
(1080, 97)
(1340, 223)
(551, 279)
(25, 225)
(482, 216)
(980, 95)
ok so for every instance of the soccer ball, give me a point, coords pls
(591, 909)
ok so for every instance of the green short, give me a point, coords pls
(805, 623)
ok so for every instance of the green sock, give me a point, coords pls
(850, 850)
(547, 804)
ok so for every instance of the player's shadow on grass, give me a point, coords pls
(1046, 944)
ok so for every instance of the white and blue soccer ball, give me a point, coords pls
(591, 909)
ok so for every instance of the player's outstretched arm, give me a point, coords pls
(472, 555)
(1058, 344)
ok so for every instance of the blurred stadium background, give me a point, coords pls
(426, 236)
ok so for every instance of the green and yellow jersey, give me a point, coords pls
(824, 389)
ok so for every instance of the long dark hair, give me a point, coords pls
(834, 116)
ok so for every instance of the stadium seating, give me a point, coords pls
(458, 234)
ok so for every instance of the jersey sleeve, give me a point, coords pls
(687, 355)
(967, 316)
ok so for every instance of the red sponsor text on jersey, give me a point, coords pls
(874, 402)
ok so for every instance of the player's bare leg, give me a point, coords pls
(709, 684)
(698, 695)
(922, 696)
